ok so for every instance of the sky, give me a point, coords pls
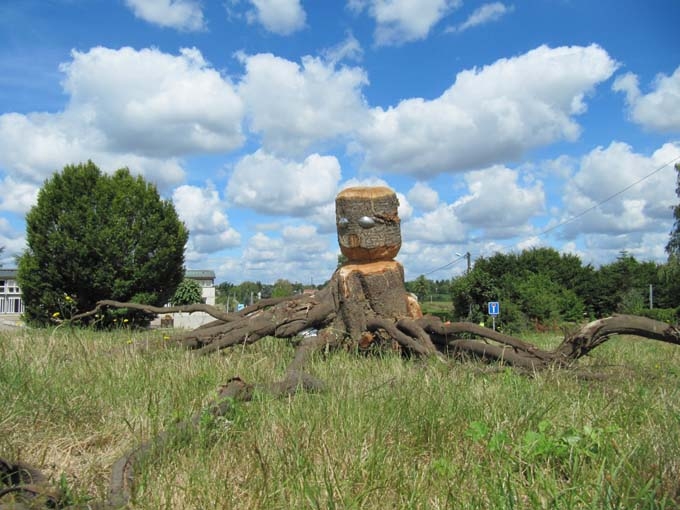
(501, 126)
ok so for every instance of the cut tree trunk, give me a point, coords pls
(368, 224)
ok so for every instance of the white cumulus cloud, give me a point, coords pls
(401, 21)
(141, 109)
(498, 203)
(486, 13)
(423, 196)
(203, 213)
(442, 225)
(281, 17)
(153, 103)
(617, 191)
(270, 185)
(185, 15)
(314, 101)
(488, 115)
(660, 109)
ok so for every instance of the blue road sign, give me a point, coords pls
(494, 308)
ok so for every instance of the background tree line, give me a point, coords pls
(248, 292)
(541, 287)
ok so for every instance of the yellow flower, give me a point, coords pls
(129, 341)
(166, 337)
(125, 320)
(55, 314)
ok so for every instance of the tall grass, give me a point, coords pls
(387, 432)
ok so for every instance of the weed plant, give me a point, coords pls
(387, 432)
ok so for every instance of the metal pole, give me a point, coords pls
(651, 296)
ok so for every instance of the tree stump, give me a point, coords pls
(371, 284)
(368, 224)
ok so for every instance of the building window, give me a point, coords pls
(2, 286)
(15, 305)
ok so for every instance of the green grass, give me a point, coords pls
(387, 433)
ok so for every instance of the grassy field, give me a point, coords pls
(388, 433)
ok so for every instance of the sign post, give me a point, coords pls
(494, 310)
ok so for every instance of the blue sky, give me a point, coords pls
(498, 124)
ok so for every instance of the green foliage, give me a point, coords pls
(421, 287)
(95, 236)
(540, 287)
(342, 260)
(282, 288)
(188, 292)
(222, 292)
(669, 315)
(471, 293)
(546, 445)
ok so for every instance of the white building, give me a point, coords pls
(10, 294)
(206, 279)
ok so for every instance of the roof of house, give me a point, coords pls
(8, 273)
(200, 274)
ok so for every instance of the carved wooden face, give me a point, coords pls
(368, 223)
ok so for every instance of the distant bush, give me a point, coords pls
(668, 315)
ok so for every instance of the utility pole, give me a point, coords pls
(469, 267)
(467, 258)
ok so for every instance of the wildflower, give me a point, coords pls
(68, 298)
(125, 321)
(55, 315)
(166, 337)
(129, 341)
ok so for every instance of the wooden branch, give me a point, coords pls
(442, 334)
(595, 333)
(197, 307)
(405, 340)
(123, 470)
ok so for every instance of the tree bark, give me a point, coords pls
(378, 236)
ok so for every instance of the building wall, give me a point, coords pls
(208, 294)
(10, 296)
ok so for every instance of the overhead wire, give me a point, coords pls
(610, 197)
(446, 266)
(579, 215)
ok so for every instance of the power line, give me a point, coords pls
(610, 197)
(446, 266)
(579, 215)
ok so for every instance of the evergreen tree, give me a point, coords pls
(93, 236)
